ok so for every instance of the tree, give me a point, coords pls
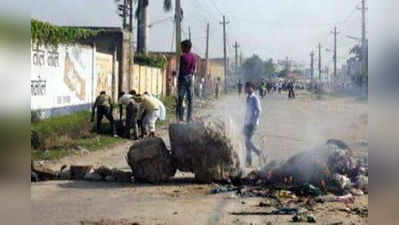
(357, 52)
(142, 22)
(283, 73)
(269, 68)
(253, 69)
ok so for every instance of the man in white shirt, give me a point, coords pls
(252, 119)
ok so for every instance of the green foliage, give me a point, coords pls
(92, 143)
(170, 105)
(283, 73)
(43, 33)
(269, 67)
(153, 61)
(60, 131)
(55, 137)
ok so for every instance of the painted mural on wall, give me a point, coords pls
(73, 79)
(60, 76)
(104, 73)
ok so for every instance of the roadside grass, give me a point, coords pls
(92, 143)
(170, 105)
(57, 137)
(61, 136)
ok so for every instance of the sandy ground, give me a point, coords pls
(287, 127)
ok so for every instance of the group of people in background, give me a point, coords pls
(269, 88)
(141, 113)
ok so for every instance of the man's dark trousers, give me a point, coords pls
(105, 111)
(131, 121)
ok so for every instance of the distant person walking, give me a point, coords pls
(188, 63)
(104, 107)
(239, 85)
(252, 118)
(217, 88)
(201, 88)
(279, 86)
(291, 92)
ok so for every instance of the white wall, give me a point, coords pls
(61, 76)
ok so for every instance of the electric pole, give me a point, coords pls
(207, 50)
(312, 66)
(224, 23)
(189, 33)
(328, 75)
(335, 53)
(364, 50)
(123, 13)
(236, 46)
(131, 15)
(178, 18)
(320, 63)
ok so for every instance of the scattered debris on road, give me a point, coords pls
(108, 222)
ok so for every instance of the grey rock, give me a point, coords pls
(151, 161)
(209, 148)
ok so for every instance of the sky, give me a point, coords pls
(269, 28)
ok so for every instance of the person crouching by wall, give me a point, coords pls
(104, 107)
(150, 109)
(132, 115)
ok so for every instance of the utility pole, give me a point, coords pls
(207, 50)
(131, 15)
(335, 52)
(123, 13)
(189, 33)
(178, 18)
(236, 46)
(328, 75)
(364, 50)
(224, 23)
(312, 66)
(320, 63)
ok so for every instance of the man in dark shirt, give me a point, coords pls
(291, 93)
(104, 107)
(217, 88)
(188, 63)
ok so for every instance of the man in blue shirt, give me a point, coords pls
(251, 121)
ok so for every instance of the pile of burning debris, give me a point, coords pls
(296, 186)
(332, 168)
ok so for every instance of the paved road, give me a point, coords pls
(287, 127)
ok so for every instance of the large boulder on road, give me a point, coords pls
(151, 161)
(209, 148)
